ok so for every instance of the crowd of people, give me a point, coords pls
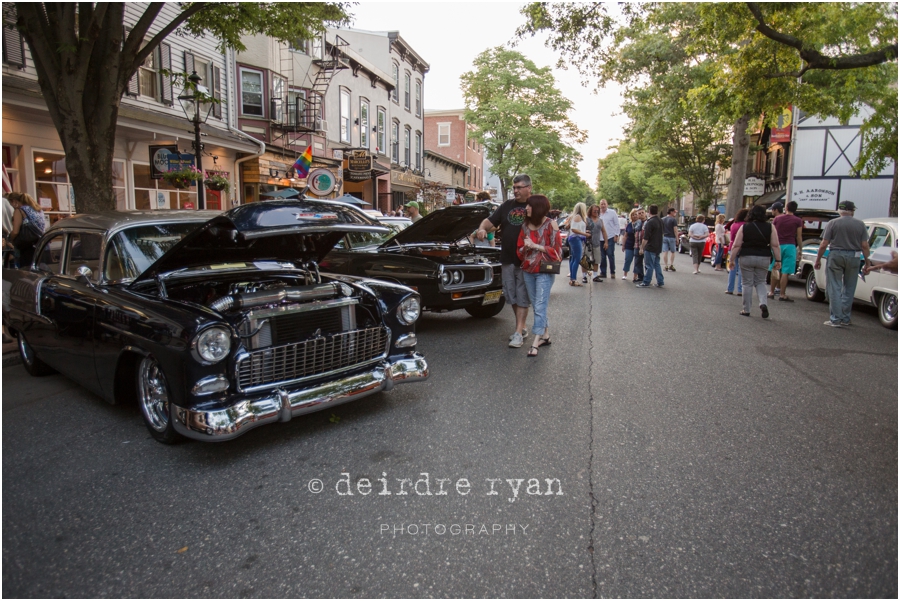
(752, 249)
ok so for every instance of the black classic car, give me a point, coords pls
(213, 326)
(435, 256)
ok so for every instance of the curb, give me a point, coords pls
(11, 359)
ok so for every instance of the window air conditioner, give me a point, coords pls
(321, 125)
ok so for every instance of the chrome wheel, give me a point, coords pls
(153, 395)
(30, 361)
(812, 288)
(887, 310)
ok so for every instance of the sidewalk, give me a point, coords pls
(10, 354)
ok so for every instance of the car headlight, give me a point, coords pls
(457, 277)
(408, 311)
(445, 278)
(211, 345)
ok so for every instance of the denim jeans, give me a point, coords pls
(753, 275)
(735, 274)
(651, 262)
(576, 248)
(538, 285)
(843, 275)
(720, 251)
(610, 256)
(629, 257)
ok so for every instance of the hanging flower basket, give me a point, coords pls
(217, 183)
(182, 178)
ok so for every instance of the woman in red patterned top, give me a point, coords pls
(539, 240)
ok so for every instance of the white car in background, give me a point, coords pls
(879, 288)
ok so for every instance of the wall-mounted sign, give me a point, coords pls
(753, 186)
(321, 182)
(159, 158)
(358, 176)
(815, 194)
(359, 160)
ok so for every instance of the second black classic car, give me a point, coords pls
(213, 328)
(434, 256)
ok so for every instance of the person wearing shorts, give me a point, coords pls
(670, 231)
(509, 217)
(790, 237)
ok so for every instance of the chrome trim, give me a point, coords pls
(270, 351)
(488, 277)
(406, 340)
(312, 306)
(282, 405)
(197, 389)
(255, 319)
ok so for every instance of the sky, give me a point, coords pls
(449, 35)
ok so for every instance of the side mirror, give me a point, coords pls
(85, 272)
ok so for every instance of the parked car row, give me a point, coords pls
(217, 323)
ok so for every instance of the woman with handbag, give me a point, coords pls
(755, 245)
(28, 226)
(540, 250)
(577, 236)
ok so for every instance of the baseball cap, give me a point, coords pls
(778, 206)
(412, 204)
(846, 205)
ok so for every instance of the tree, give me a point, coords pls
(824, 57)
(630, 175)
(520, 118)
(84, 62)
(566, 194)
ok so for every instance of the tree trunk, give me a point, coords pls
(735, 199)
(892, 207)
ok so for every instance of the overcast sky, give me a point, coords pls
(448, 35)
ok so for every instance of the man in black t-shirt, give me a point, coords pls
(670, 240)
(651, 246)
(509, 217)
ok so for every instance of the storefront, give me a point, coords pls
(405, 186)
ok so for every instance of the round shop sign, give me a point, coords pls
(321, 182)
(161, 160)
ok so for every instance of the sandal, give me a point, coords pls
(744, 314)
(770, 295)
(533, 351)
(785, 299)
(574, 283)
(543, 342)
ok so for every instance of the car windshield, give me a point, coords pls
(363, 239)
(134, 250)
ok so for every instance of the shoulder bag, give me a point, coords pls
(28, 233)
(546, 265)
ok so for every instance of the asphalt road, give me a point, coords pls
(689, 452)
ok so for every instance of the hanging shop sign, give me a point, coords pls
(358, 176)
(159, 158)
(781, 131)
(753, 186)
(321, 182)
(359, 160)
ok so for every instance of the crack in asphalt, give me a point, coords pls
(591, 440)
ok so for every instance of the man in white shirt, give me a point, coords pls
(611, 224)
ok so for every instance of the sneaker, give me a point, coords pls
(602, 275)
(584, 279)
(833, 324)
(777, 290)
(624, 277)
(642, 285)
(671, 268)
(845, 323)
(524, 334)
(659, 285)
(516, 341)
(598, 278)
(765, 311)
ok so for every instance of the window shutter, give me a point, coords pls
(13, 43)
(132, 89)
(165, 59)
(188, 62)
(217, 91)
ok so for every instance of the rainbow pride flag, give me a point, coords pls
(304, 162)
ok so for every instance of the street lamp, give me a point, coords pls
(196, 108)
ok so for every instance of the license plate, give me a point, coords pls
(492, 297)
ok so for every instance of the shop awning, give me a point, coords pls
(770, 198)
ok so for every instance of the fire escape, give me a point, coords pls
(299, 107)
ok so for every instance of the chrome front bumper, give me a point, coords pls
(281, 405)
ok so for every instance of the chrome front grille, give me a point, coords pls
(278, 365)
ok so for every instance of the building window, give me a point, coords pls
(418, 98)
(279, 85)
(382, 131)
(364, 123)
(443, 134)
(296, 108)
(406, 147)
(345, 116)
(301, 46)
(152, 194)
(395, 141)
(251, 93)
(395, 93)
(148, 76)
(418, 151)
(406, 90)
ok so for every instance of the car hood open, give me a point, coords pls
(443, 226)
(283, 230)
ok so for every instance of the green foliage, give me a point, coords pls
(754, 55)
(631, 175)
(521, 119)
(565, 194)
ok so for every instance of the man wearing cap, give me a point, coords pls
(790, 236)
(412, 207)
(847, 237)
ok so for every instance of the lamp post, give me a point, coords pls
(193, 106)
